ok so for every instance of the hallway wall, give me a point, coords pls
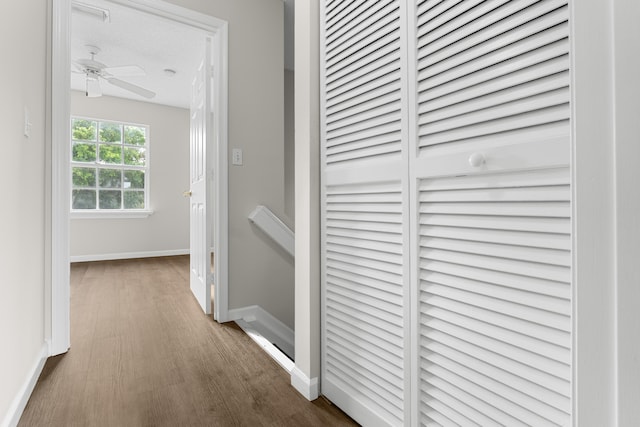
(23, 38)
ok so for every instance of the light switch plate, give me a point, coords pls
(236, 157)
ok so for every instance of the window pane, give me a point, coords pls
(134, 200)
(110, 132)
(111, 153)
(135, 135)
(110, 178)
(133, 179)
(109, 199)
(83, 199)
(134, 156)
(84, 177)
(84, 152)
(84, 130)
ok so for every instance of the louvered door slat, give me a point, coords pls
(496, 404)
(535, 255)
(375, 349)
(361, 25)
(536, 33)
(498, 367)
(382, 345)
(497, 340)
(507, 280)
(539, 315)
(528, 50)
(553, 70)
(549, 340)
(486, 26)
(444, 398)
(525, 239)
(505, 97)
(429, 23)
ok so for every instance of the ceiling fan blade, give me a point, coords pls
(77, 68)
(131, 87)
(93, 87)
(90, 63)
(125, 71)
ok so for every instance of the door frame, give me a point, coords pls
(57, 304)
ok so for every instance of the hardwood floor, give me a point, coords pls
(143, 354)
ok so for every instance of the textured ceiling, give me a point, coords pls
(135, 38)
(153, 43)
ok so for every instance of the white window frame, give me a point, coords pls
(98, 213)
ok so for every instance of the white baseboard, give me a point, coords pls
(20, 402)
(308, 387)
(127, 255)
(271, 329)
(273, 351)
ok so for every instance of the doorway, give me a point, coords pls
(60, 154)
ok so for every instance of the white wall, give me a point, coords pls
(23, 36)
(167, 229)
(259, 271)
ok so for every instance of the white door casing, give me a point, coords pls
(59, 326)
(200, 172)
(446, 288)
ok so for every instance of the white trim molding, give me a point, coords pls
(273, 227)
(308, 387)
(268, 346)
(60, 193)
(20, 401)
(264, 323)
(127, 255)
(115, 214)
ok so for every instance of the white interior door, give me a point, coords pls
(200, 184)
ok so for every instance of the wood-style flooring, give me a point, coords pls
(143, 354)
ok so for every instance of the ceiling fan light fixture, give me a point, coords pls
(93, 87)
(93, 11)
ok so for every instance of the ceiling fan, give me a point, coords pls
(94, 71)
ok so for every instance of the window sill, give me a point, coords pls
(115, 214)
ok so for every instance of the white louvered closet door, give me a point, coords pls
(492, 222)
(364, 210)
(446, 211)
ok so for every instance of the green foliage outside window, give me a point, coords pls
(111, 153)
(133, 200)
(134, 135)
(110, 178)
(83, 152)
(84, 130)
(107, 145)
(83, 177)
(110, 132)
(134, 156)
(133, 179)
